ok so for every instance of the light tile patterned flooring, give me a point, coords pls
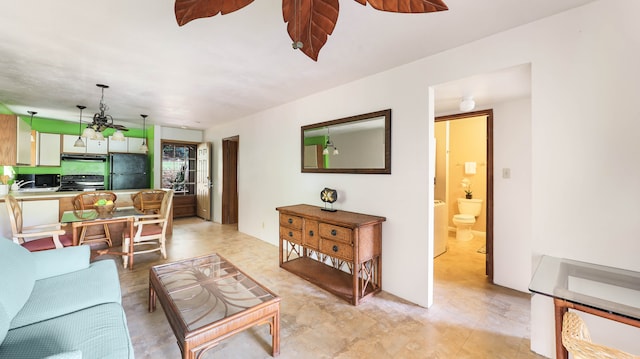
(470, 318)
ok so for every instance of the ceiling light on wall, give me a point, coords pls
(102, 121)
(79, 142)
(467, 104)
(143, 146)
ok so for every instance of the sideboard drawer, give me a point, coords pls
(337, 249)
(335, 233)
(291, 235)
(311, 237)
(291, 221)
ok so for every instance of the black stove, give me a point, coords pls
(81, 183)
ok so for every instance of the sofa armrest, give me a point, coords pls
(55, 262)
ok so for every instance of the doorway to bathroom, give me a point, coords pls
(464, 168)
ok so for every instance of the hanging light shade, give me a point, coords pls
(79, 142)
(31, 124)
(89, 133)
(143, 146)
(117, 136)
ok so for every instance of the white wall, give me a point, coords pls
(583, 148)
(512, 196)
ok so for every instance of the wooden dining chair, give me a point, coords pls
(86, 201)
(149, 231)
(577, 340)
(35, 238)
(148, 201)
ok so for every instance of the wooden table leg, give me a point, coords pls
(275, 334)
(560, 309)
(130, 224)
(74, 232)
(152, 298)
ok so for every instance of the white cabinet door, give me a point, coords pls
(40, 212)
(48, 149)
(97, 146)
(24, 143)
(68, 142)
(118, 146)
(134, 145)
(5, 226)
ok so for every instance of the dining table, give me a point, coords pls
(607, 292)
(91, 217)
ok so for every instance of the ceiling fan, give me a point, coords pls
(309, 22)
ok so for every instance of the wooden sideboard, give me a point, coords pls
(340, 251)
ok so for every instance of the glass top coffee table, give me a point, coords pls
(207, 299)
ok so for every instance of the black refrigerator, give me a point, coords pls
(128, 171)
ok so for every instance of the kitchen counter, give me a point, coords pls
(38, 196)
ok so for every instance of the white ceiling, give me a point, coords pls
(53, 53)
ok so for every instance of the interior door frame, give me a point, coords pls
(489, 205)
(230, 148)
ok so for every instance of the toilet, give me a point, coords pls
(469, 209)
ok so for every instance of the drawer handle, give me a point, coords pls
(333, 232)
(335, 248)
(290, 234)
(311, 233)
(290, 220)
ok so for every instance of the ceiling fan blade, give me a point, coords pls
(310, 22)
(187, 10)
(406, 6)
(118, 127)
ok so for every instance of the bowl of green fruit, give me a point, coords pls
(104, 208)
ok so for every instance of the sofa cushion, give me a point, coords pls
(4, 323)
(59, 295)
(98, 332)
(17, 279)
(61, 261)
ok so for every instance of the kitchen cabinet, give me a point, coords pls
(129, 145)
(15, 142)
(118, 146)
(134, 145)
(48, 149)
(97, 146)
(92, 146)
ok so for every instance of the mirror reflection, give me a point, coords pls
(357, 144)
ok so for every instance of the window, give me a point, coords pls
(179, 167)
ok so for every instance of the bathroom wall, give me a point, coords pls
(467, 143)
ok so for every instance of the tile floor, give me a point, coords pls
(470, 318)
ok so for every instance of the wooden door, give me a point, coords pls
(203, 180)
(230, 148)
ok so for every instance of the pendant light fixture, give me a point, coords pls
(144, 146)
(79, 142)
(330, 144)
(102, 121)
(31, 124)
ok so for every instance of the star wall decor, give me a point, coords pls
(309, 22)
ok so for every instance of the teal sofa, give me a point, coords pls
(55, 304)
